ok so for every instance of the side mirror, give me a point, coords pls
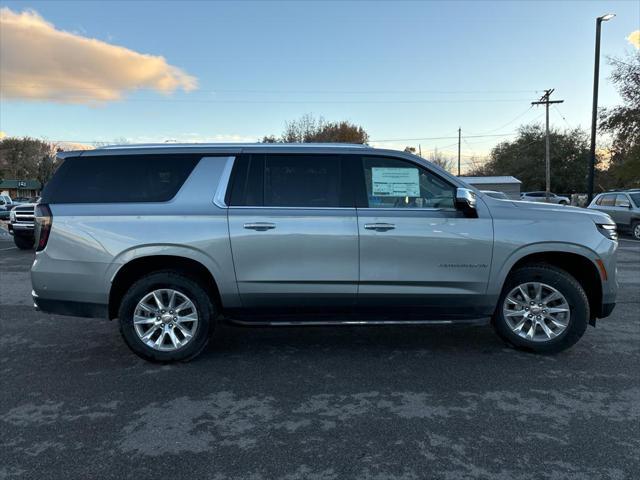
(466, 201)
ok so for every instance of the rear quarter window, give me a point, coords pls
(119, 178)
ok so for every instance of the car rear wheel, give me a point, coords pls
(166, 317)
(542, 309)
(23, 243)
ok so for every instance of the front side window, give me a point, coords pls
(396, 183)
(636, 198)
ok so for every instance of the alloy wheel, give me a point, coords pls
(165, 319)
(536, 311)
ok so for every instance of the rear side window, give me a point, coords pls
(622, 201)
(119, 178)
(302, 181)
(608, 201)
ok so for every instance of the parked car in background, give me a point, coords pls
(542, 197)
(494, 194)
(21, 225)
(623, 207)
(281, 235)
(5, 206)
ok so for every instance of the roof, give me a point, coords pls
(28, 184)
(491, 180)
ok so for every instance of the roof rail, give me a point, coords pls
(230, 145)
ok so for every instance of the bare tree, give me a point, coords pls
(437, 158)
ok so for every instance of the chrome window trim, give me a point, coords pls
(396, 209)
(223, 184)
(245, 207)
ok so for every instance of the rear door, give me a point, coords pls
(606, 203)
(418, 254)
(293, 230)
(622, 210)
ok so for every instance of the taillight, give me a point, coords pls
(43, 220)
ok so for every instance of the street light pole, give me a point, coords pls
(594, 112)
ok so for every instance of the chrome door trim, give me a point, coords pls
(248, 207)
(223, 184)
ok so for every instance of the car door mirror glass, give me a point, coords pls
(466, 201)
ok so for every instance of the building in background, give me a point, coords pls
(21, 188)
(507, 184)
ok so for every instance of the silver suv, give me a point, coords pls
(172, 240)
(623, 207)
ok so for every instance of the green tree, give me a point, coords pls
(524, 158)
(309, 129)
(622, 122)
(26, 158)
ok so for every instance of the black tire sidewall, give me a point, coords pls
(182, 284)
(565, 284)
(24, 243)
(633, 230)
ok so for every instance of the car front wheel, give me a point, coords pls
(166, 317)
(542, 309)
(635, 230)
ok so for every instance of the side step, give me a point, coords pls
(274, 322)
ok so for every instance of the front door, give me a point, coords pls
(418, 254)
(294, 234)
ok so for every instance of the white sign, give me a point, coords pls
(395, 182)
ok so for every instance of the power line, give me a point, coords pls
(443, 138)
(291, 91)
(518, 117)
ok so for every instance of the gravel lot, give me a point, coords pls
(333, 403)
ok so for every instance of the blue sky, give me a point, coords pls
(402, 70)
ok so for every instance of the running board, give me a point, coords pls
(324, 323)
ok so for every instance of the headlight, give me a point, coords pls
(12, 215)
(608, 231)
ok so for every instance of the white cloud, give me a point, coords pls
(634, 38)
(40, 62)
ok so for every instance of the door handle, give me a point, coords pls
(379, 227)
(260, 226)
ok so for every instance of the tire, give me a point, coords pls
(184, 287)
(24, 243)
(635, 230)
(551, 278)
(563, 203)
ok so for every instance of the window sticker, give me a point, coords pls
(395, 182)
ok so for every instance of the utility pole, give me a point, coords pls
(544, 100)
(459, 138)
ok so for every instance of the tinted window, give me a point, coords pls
(636, 198)
(119, 178)
(395, 183)
(622, 201)
(302, 181)
(608, 201)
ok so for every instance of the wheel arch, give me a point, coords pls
(578, 263)
(138, 267)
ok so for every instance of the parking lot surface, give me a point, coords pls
(316, 403)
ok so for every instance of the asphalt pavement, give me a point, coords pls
(316, 403)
